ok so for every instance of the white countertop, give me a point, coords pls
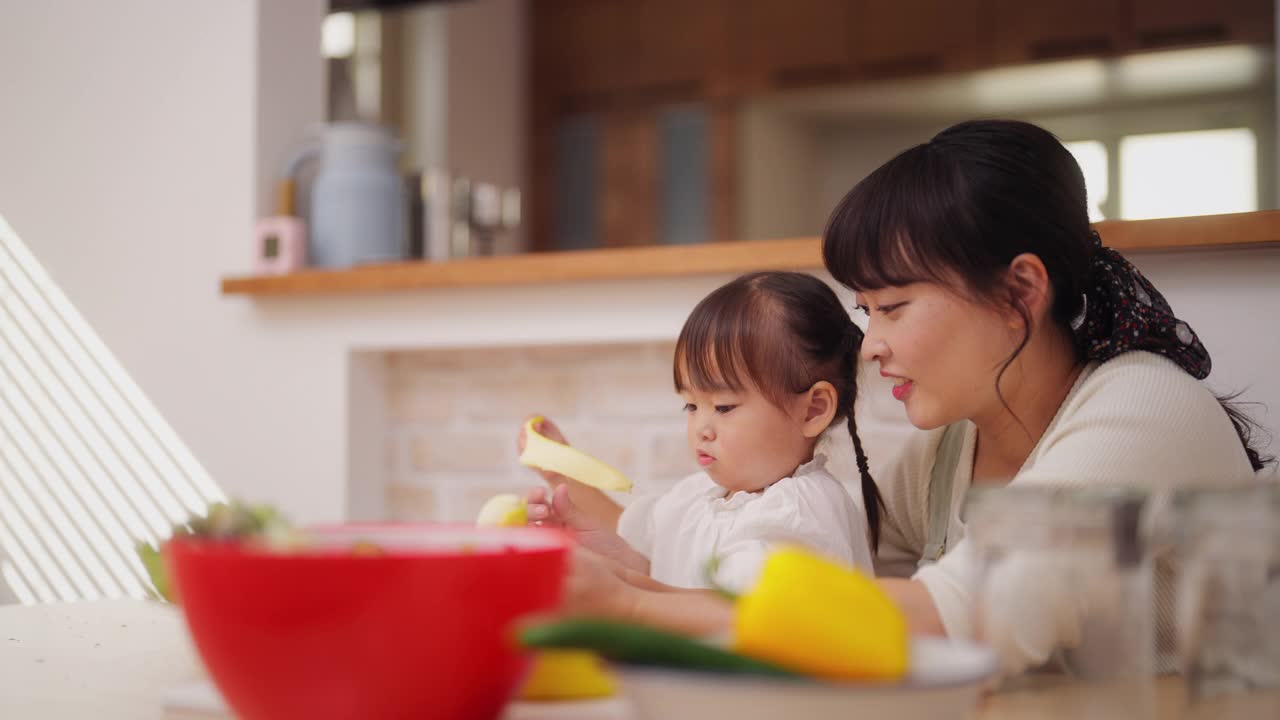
(121, 660)
(129, 660)
(101, 660)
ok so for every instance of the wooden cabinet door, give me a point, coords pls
(576, 47)
(785, 43)
(629, 179)
(914, 37)
(1017, 31)
(674, 46)
(635, 177)
(597, 182)
(1166, 23)
(628, 52)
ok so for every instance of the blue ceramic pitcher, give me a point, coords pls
(359, 212)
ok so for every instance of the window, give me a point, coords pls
(338, 35)
(1204, 172)
(1092, 157)
(1170, 174)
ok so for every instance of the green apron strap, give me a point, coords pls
(941, 480)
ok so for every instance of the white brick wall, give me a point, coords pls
(454, 415)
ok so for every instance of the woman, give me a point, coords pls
(1032, 353)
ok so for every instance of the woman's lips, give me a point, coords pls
(901, 385)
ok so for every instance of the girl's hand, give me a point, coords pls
(592, 533)
(544, 509)
(591, 501)
(547, 429)
(596, 587)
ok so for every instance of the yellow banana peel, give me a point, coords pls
(546, 454)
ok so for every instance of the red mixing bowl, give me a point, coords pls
(423, 630)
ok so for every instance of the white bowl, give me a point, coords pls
(945, 681)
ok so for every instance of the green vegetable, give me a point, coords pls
(154, 564)
(642, 645)
(235, 521)
(222, 521)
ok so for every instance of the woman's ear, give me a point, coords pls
(1029, 286)
(819, 408)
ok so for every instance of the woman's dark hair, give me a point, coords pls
(779, 332)
(958, 209)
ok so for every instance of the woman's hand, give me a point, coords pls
(913, 598)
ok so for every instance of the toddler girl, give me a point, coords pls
(765, 365)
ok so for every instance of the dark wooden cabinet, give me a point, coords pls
(1018, 31)
(575, 47)
(1169, 23)
(914, 37)
(597, 54)
(629, 179)
(673, 47)
(590, 53)
(604, 72)
(791, 44)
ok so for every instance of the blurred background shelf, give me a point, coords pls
(1209, 231)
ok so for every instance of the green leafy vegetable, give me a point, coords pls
(234, 521)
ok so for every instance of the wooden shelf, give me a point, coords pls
(727, 257)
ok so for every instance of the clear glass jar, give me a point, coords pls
(1226, 548)
(1064, 577)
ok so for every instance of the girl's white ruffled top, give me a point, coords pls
(682, 529)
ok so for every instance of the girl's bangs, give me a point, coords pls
(710, 354)
(736, 340)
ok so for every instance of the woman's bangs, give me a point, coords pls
(884, 230)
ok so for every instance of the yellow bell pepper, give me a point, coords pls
(567, 675)
(816, 617)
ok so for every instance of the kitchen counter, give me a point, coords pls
(104, 660)
(1240, 229)
(118, 660)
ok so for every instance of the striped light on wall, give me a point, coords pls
(87, 465)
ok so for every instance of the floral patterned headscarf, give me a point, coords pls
(1123, 311)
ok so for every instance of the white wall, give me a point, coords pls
(1232, 299)
(290, 88)
(132, 148)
